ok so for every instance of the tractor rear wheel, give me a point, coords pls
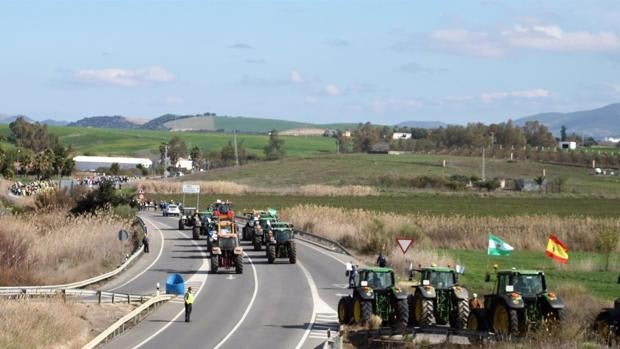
(401, 315)
(239, 264)
(214, 264)
(505, 321)
(292, 252)
(362, 311)
(257, 246)
(271, 253)
(424, 314)
(460, 314)
(344, 310)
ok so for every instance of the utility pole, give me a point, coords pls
(236, 153)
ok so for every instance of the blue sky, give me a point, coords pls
(313, 61)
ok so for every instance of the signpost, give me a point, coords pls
(191, 189)
(404, 244)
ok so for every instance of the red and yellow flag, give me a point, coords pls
(557, 250)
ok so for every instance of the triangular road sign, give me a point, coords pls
(404, 243)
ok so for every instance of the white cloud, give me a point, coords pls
(296, 77)
(123, 77)
(549, 37)
(473, 43)
(332, 90)
(173, 100)
(489, 97)
(395, 104)
(553, 38)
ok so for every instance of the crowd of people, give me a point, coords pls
(32, 188)
(96, 180)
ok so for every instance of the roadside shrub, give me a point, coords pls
(54, 200)
(16, 263)
(124, 211)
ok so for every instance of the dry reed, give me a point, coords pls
(52, 323)
(206, 187)
(369, 231)
(57, 248)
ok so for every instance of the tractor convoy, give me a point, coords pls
(520, 301)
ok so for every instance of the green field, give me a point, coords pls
(600, 283)
(466, 205)
(364, 169)
(244, 124)
(98, 141)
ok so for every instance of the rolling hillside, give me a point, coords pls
(598, 123)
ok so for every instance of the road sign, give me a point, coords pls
(123, 235)
(404, 243)
(191, 189)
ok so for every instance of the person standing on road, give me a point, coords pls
(189, 300)
(381, 261)
(353, 276)
(145, 242)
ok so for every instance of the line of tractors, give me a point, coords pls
(520, 302)
(218, 225)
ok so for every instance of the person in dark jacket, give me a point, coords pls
(146, 242)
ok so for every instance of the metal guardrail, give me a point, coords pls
(96, 296)
(324, 242)
(86, 282)
(128, 321)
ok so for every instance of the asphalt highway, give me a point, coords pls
(278, 305)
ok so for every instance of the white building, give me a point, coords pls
(91, 163)
(401, 135)
(567, 145)
(184, 164)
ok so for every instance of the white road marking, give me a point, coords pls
(204, 267)
(318, 305)
(323, 252)
(247, 310)
(161, 250)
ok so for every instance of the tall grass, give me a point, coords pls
(52, 323)
(50, 248)
(368, 231)
(232, 188)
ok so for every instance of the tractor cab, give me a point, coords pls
(437, 277)
(376, 278)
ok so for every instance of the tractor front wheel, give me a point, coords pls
(271, 253)
(362, 311)
(344, 310)
(239, 264)
(257, 246)
(214, 264)
(195, 233)
(505, 321)
(477, 320)
(181, 224)
(423, 311)
(401, 315)
(292, 252)
(461, 314)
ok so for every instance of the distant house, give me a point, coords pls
(91, 163)
(567, 145)
(184, 164)
(401, 135)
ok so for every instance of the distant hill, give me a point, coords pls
(104, 122)
(5, 119)
(50, 122)
(422, 124)
(597, 123)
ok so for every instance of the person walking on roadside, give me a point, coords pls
(146, 242)
(353, 276)
(189, 300)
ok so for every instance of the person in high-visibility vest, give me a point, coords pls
(189, 300)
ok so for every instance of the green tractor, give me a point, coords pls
(520, 302)
(375, 292)
(260, 230)
(280, 242)
(438, 299)
(607, 323)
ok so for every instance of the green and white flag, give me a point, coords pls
(498, 247)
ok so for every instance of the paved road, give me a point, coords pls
(268, 306)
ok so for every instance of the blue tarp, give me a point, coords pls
(175, 284)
